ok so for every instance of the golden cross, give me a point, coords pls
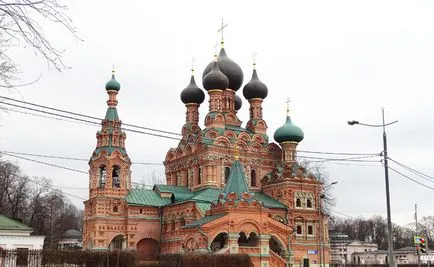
(254, 59)
(192, 65)
(113, 69)
(287, 106)
(236, 152)
(221, 30)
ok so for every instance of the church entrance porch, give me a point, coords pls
(118, 242)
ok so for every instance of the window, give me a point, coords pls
(102, 176)
(141, 211)
(310, 230)
(227, 173)
(199, 175)
(115, 209)
(298, 203)
(309, 203)
(252, 177)
(115, 177)
(299, 230)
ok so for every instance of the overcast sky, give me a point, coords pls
(335, 60)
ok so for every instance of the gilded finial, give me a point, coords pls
(287, 106)
(254, 60)
(221, 30)
(113, 70)
(216, 46)
(236, 152)
(192, 65)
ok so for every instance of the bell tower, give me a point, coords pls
(109, 176)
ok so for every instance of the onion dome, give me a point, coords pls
(238, 103)
(229, 68)
(215, 79)
(289, 132)
(192, 93)
(113, 85)
(255, 88)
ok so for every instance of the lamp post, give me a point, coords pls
(320, 239)
(386, 176)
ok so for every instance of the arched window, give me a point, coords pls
(309, 203)
(227, 173)
(102, 176)
(252, 177)
(298, 203)
(115, 209)
(115, 177)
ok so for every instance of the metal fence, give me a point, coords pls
(28, 258)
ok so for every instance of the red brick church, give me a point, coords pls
(229, 189)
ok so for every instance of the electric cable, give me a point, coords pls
(411, 179)
(418, 173)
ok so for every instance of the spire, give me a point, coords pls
(237, 181)
(287, 107)
(222, 42)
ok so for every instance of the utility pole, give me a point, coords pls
(427, 245)
(319, 228)
(417, 233)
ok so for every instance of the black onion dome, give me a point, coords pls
(215, 79)
(255, 88)
(192, 93)
(229, 68)
(238, 103)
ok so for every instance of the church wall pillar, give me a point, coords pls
(264, 244)
(233, 243)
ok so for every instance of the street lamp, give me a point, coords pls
(386, 176)
(320, 239)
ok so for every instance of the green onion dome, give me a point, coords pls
(113, 85)
(289, 132)
(229, 68)
(255, 88)
(215, 79)
(238, 103)
(192, 93)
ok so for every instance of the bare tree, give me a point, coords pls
(19, 25)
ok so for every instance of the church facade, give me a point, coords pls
(229, 189)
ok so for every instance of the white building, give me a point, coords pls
(342, 249)
(16, 235)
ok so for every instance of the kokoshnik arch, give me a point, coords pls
(228, 188)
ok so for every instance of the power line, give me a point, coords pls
(91, 122)
(68, 158)
(338, 153)
(141, 127)
(355, 159)
(86, 116)
(411, 179)
(45, 163)
(418, 173)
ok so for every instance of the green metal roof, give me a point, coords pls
(171, 188)
(207, 195)
(204, 220)
(203, 207)
(7, 223)
(237, 181)
(268, 202)
(109, 150)
(146, 197)
(112, 114)
(202, 198)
